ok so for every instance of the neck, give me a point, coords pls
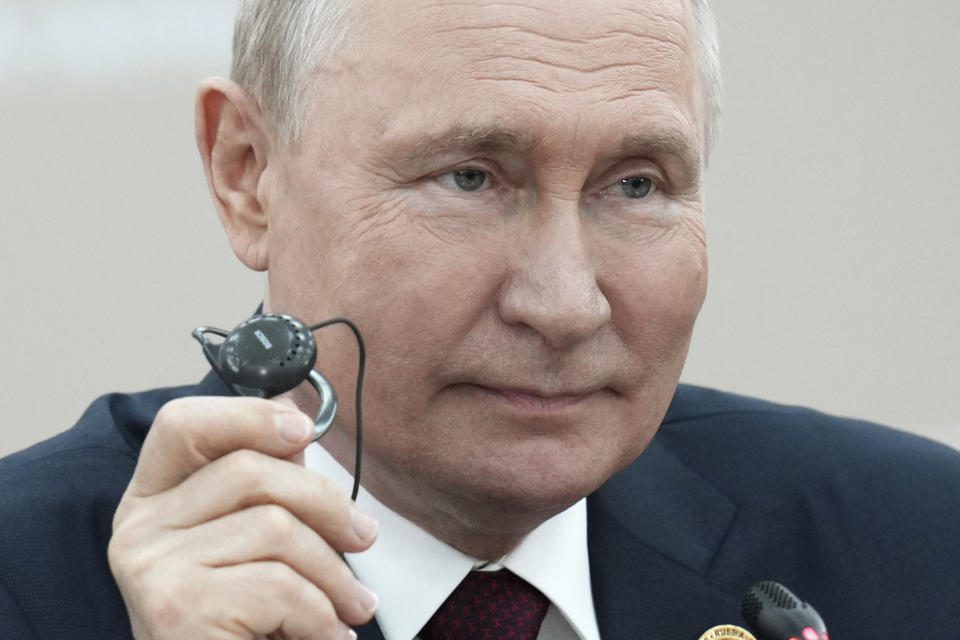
(489, 547)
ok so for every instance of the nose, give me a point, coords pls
(552, 285)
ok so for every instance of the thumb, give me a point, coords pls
(189, 433)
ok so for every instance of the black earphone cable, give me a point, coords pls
(361, 366)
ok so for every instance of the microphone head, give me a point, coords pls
(774, 613)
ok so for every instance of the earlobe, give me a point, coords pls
(234, 145)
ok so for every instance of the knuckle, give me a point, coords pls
(121, 536)
(284, 581)
(130, 564)
(158, 598)
(171, 425)
(121, 516)
(255, 475)
(127, 556)
(171, 414)
(161, 610)
(324, 614)
(118, 551)
(276, 523)
(246, 465)
(300, 596)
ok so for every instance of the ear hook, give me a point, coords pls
(328, 406)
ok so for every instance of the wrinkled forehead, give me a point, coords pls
(583, 35)
(553, 16)
(584, 60)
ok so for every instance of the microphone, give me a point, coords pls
(774, 613)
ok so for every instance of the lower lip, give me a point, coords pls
(530, 402)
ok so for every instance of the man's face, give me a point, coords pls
(506, 198)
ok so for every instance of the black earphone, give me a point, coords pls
(273, 353)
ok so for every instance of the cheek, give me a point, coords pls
(416, 297)
(659, 293)
(417, 301)
(418, 280)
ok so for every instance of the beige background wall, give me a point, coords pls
(832, 208)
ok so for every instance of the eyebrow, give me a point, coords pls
(498, 139)
(669, 143)
(488, 139)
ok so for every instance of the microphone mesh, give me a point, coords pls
(750, 607)
(765, 594)
(781, 597)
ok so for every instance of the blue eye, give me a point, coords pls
(636, 187)
(470, 179)
(465, 179)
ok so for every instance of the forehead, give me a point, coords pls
(566, 21)
(625, 63)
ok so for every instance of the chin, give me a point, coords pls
(532, 480)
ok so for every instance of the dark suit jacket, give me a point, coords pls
(861, 521)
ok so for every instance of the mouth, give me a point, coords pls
(537, 401)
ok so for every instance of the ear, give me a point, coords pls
(235, 145)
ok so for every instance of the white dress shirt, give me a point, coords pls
(413, 573)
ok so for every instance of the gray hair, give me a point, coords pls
(276, 44)
(708, 59)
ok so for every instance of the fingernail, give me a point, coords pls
(368, 599)
(293, 426)
(363, 525)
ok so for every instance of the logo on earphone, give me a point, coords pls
(264, 340)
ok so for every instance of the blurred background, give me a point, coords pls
(832, 208)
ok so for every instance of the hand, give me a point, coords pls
(221, 534)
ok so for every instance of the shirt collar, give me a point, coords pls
(413, 573)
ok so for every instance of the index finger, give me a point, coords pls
(189, 433)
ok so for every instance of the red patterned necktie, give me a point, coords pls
(489, 605)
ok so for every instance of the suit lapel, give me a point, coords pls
(653, 530)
